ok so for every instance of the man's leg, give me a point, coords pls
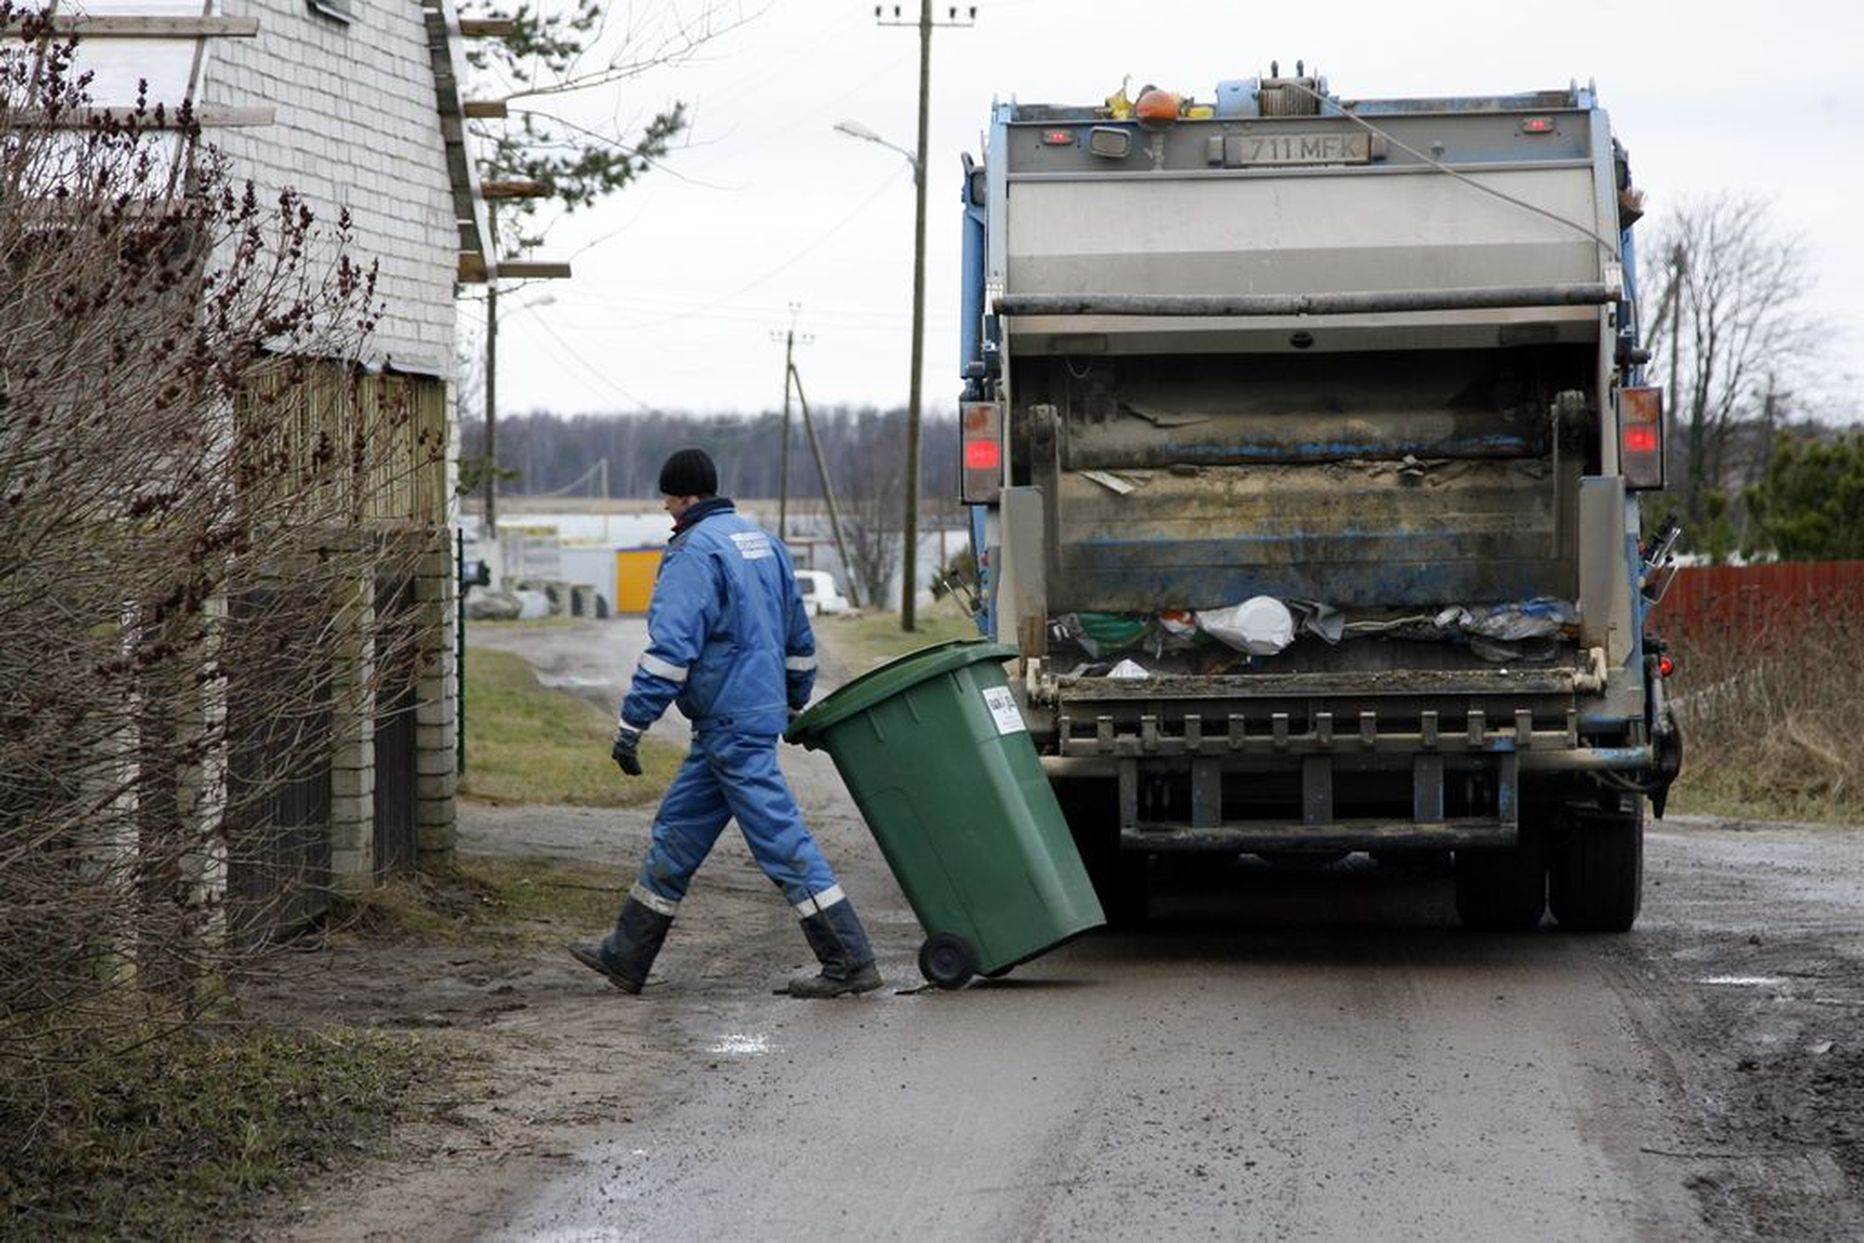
(753, 785)
(690, 818)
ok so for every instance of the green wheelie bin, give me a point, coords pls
(935, 752)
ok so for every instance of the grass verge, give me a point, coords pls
(173, 1137)
(1770, 724)
(528, 743)
(874, 638)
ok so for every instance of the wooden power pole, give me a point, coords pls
(909, 554)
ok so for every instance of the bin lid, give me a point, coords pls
(898, 674)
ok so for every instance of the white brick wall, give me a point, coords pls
(357, 127)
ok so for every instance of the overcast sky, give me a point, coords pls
(682, 279)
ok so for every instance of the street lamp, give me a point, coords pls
(854, 129)
(909, 552)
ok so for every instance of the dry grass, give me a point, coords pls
(868, 639)
(171, 1137)
(483, 895)
(1770, 725)
(527, 743)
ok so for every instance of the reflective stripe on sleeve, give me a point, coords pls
(800, 664)
(653, 901)
(662, 669)
(820, 902)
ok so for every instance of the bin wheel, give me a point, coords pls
(947, 960)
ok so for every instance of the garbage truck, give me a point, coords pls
(1303, 440)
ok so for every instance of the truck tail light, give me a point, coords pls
(980, 426)
(1640, 437)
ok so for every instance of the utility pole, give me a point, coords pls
(490, 533)
(909, 554)
(492, 192)
(828, 490)
(789, 339)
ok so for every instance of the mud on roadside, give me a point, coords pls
(1757, 1007)
(542, 1050)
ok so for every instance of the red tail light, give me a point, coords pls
(980, 427)
(1640, 437)
(1665, 666)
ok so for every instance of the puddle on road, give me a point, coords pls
(742, 1045)
(1742, 981)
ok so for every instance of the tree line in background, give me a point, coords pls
(864, 449)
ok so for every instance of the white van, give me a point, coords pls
(820, 594)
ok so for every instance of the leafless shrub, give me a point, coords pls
(1770, 718)
(198, 494)
(872, 527)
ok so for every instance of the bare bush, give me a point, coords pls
(872, 526)
(1769, 718)
(198, 495)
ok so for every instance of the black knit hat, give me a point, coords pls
(689, 472)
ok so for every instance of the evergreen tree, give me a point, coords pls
(1810, 507)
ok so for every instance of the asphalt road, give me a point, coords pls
(1277, 1055)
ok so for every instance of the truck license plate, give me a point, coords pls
(1242, 150)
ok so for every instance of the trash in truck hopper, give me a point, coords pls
(1264, 626)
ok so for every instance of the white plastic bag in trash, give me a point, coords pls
(1260, 625)
(1313, 617)
(1128, 669)
(1539, 618)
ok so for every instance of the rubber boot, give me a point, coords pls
(840, 944)
(627, 954)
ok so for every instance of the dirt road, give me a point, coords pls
(1317, 1056)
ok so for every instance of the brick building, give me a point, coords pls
(357, 108)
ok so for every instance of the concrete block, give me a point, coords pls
(352, 782)
(349, 811)
(436, 812)
(436, 786)
(352, 874)
(435, 836)
(436, 738)
(433, 761)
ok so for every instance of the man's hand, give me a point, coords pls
(626, 751)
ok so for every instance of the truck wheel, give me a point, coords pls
(1127, 896)
(1596, 883)
(1503, 890)
(1119, 879)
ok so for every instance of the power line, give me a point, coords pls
(589, 367)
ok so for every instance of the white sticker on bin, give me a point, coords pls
(1003, 709)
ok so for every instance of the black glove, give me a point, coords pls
(626, 751)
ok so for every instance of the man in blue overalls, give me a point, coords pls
(728, 641)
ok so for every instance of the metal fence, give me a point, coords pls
(1757, 603)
